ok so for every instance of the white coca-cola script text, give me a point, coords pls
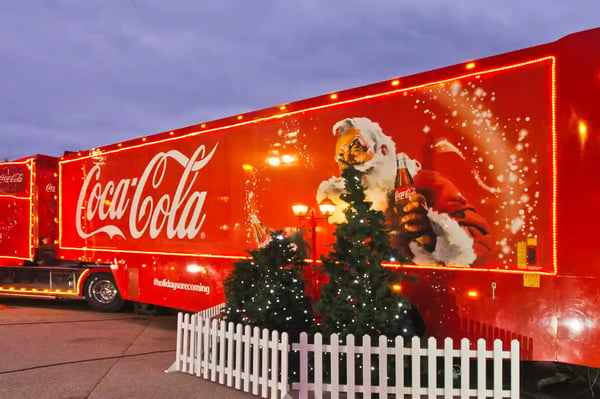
(14, 178)
(402, 194)
(148, 209)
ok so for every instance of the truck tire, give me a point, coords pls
(102, 294)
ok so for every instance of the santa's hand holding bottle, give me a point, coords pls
(411, 208)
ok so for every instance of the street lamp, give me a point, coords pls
(326, 207)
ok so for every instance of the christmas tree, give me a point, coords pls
(358, 298)
(268, 290)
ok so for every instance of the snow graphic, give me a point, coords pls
(499, 152)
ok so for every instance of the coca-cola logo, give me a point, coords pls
(148, 208)
(403, 193)
(12, 179)
(50, 188)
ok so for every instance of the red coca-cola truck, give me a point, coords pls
(503, 153)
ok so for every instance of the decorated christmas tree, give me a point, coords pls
(358, 299)
(268, 290)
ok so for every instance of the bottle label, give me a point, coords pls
(403, 193)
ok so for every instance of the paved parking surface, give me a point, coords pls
(62, 350)
(53, 349)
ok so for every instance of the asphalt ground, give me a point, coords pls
(59, 349)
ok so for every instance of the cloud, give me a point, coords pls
(85, 74)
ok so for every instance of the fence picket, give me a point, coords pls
(318, 352)
(448, 368)
(350, 366)
(274, 366)
(431, 367)
(214, 333)
(497, 369)
(206, 349)
(464, 368)
(382, 350)
(186, 334)
(238, 357)
(229, 367)
(221, 348)
(254, 360)
(481, 368)
(514, 370)
(192, 343)
(399, 350)
(334, 364)
(416, 367)
(303, 348)
(366, 366)
(199, 341)
(247, 346)
(284, 350)
(255, 372)
(264, 374)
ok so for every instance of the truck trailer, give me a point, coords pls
(502, 151)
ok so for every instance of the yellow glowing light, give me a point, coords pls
(240, 117)
(583, 132)
(397, 288)
(473, 294)
(273, 161)
(282, 108)
(470, 65)
(171, 133)
(247, 167)
(299, 209)
(395, 82)
(202, 126)
(194, 268)
(144, 266)
(144, 139)
(172, 268)
(334, 96)
(288, 158)
(327, 207)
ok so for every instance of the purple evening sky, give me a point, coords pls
(81, 74)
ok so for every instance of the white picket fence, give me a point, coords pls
(456, 364)
(256, 361)
(238, 356)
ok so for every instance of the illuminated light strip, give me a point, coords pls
(9, 196)
(463, 268)
(30, 163)
(60, 224)
(32, 178)
(554, 215)
(550, 58)
(39, 292)
(13, 257)
(130, 251)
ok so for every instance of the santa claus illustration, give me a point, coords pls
(437, 225)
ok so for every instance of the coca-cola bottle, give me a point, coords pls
(405, 186)
(260, 232)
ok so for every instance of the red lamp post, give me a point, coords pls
(326, 207)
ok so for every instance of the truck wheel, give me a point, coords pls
(102, 294)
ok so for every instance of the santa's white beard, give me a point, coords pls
(379, 179)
